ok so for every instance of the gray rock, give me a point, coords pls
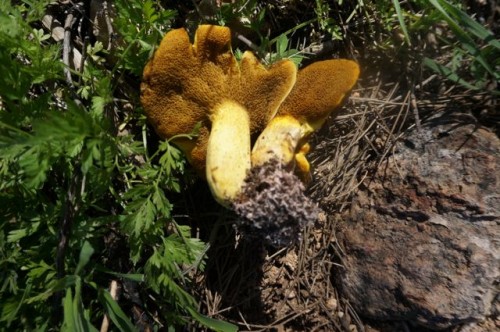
(422, 238)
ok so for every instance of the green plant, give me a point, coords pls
(253, 17)
(475, 55)
(283, 50)
(326, 22)
(246, 11)
(475, 44)
(84, 194)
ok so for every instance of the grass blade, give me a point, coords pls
(69, 315)
(115, 313)
(85, 254)
(401, 20)
(214, 324)
(472, 26)
(448, 73)
(463, 37)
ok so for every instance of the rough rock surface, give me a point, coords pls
(422, 238)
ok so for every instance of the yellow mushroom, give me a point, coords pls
(185, 84)
(319, 90)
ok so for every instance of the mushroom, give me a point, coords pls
(319, 91)
(188, 84)
(272, 205)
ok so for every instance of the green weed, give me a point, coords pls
(76, 180)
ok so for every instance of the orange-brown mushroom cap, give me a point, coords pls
(319, 90)
(183, 83)
(263, 89)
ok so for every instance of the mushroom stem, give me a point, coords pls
(228, 151)
(281, 140)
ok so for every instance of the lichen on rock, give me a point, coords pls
(421, 237)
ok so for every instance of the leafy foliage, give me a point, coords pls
(141, 25)
(475, 44)
(76, 180)
(475, 52)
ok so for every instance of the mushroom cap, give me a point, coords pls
(263, 89)
(319, 90)
(183, 83)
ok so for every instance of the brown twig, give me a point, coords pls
(67, 48)
(70, 212)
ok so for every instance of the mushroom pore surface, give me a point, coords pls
(183, 83)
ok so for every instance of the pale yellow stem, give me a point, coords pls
(228, 151)
(280, 141)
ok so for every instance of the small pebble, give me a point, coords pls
(331, 304)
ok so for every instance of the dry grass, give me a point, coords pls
(355, 140)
